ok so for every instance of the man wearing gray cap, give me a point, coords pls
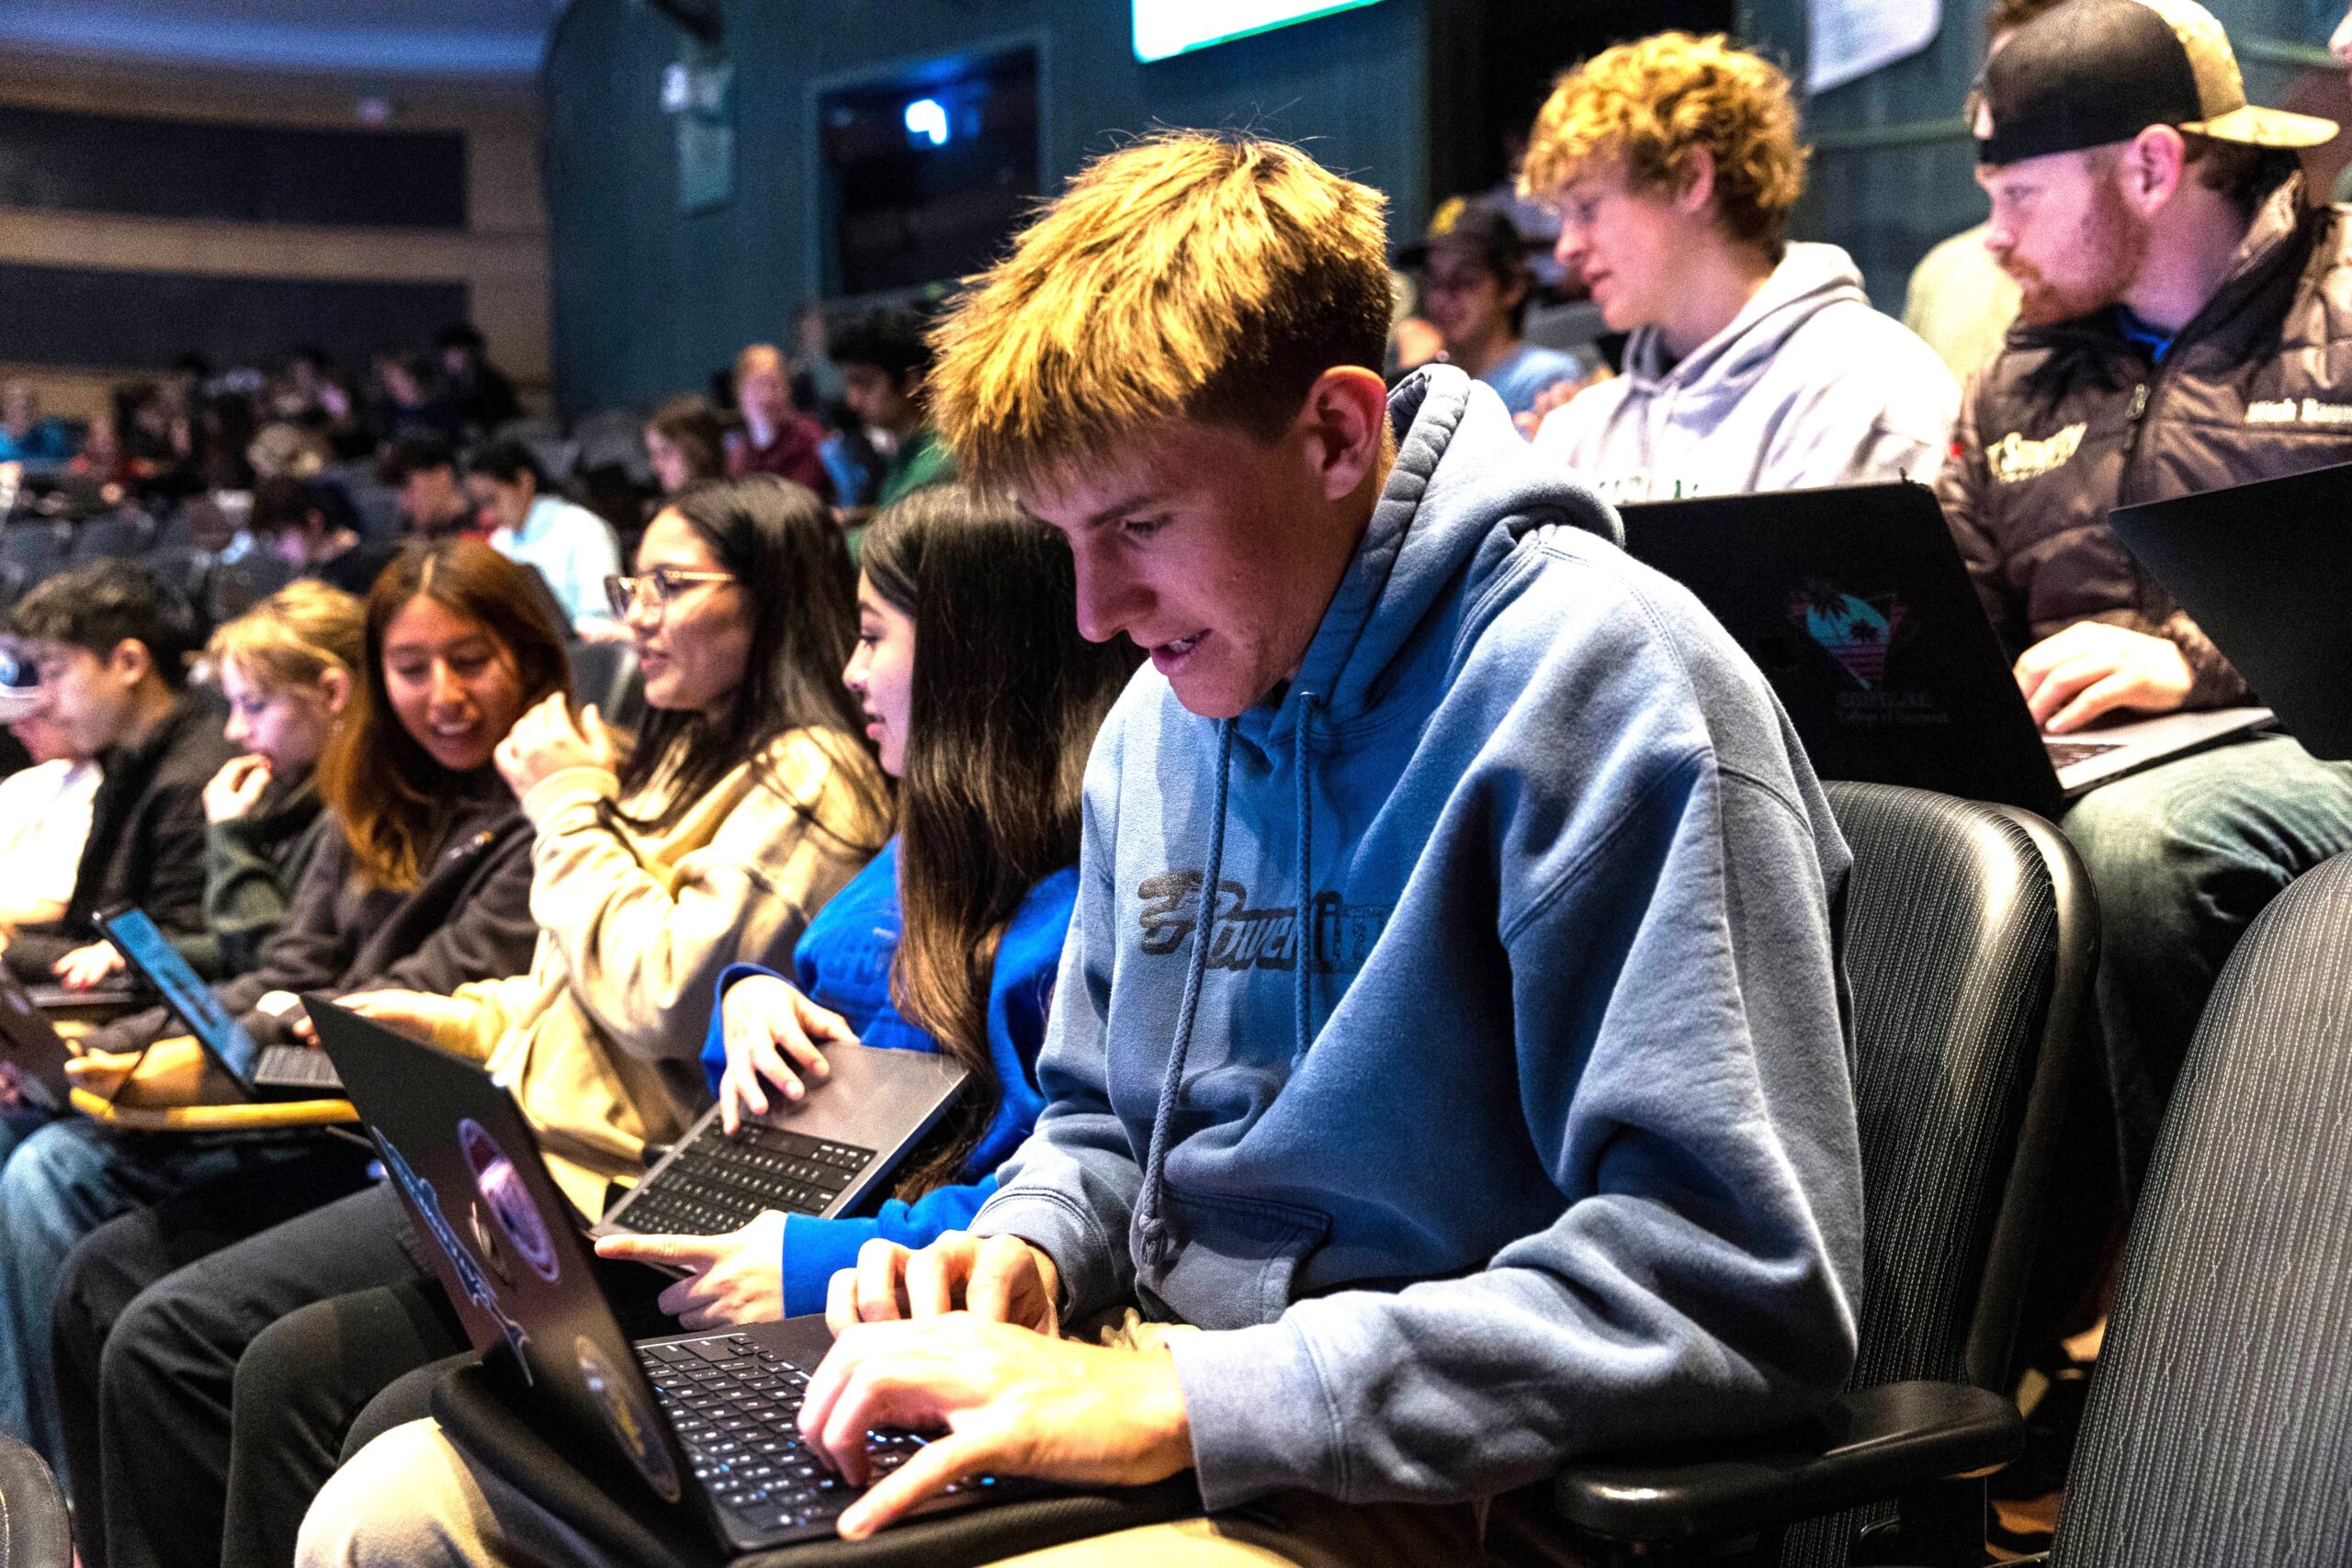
(2185, 323)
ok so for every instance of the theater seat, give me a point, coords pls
(33, 1528)
(2221, 1413)
(1970, 941)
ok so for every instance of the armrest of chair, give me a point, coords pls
(34, 1532)
(1871, 1445)
(263, 1116)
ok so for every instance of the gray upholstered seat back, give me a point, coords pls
(1969, 936)
(2219, 1424)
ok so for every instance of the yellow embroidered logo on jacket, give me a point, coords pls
(2013, 458)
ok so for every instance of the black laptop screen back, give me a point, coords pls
(2265, 570)
(507, 1245)
(1857, 607)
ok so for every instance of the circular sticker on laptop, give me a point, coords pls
(502, 1189)
(632, 1422)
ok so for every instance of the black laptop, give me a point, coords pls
(2265, 570)
(707, 1420)
(32, 1053)
(278, 1072)
(1855, 604)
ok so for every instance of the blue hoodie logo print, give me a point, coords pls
(1854, 631)
(1245, 938)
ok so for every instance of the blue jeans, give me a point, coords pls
(62, 1181)
(2182, 857)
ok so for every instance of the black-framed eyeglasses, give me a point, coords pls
(659, 588)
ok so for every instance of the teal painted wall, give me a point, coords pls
(648, 303)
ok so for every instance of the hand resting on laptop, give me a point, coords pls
(766, 1019)
(2092, 668)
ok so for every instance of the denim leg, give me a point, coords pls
(61, 1182)
(19, 1122)
(2182, 857)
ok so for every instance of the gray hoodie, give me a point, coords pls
(1808, 386)
(1455, 1035)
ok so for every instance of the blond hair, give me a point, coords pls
(1648, 105)
(1188, 276)
(293, 638)
(754, 357)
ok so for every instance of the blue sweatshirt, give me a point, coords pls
(1551, 1148)
(842, 963)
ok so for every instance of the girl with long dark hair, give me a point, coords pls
(746, 803)
(983, 700)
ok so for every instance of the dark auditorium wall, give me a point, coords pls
(144, 210)
(1893, 167)
(646, 301)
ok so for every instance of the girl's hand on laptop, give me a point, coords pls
(1013, 1402)
(414, 1013)
(85, 968)
(2092, 668)
(764, 1020)
(172, 1073)
(735, 1278)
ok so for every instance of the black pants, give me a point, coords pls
(169, 1392)
(121, 1259)
(299, 1387)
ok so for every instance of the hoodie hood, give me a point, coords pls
(1435, 521)
(1810, 279)
(1808, 386)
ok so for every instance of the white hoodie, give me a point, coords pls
(1808, 386)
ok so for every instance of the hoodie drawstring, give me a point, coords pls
(1151, 1221)
(1303, 941)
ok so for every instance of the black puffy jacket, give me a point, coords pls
(2072, 421)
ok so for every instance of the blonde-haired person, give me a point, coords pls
(1411, 714)
(1755, 363)
(287, 667)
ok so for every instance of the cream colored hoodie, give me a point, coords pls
(599, 1042)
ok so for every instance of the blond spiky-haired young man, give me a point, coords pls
(1755, 363)
(1445, 1073)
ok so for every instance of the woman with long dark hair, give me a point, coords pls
(984, 700)
(746, 803)
(422, 880)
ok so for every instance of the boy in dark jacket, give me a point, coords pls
(2182, 328)
(111, 642)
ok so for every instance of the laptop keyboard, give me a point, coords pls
(717, 1183)
(2066, 753)
(291, 1067)
(736, 1409)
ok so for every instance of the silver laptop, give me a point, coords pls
(823, 1155)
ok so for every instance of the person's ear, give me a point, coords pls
(334, 689)
(2151, 169)
(129, 662)
(1697, 192)
(1346, 417)
(1516, 288)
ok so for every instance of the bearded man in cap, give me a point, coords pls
(2185, 324)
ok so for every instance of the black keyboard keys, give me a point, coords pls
(717, 1183)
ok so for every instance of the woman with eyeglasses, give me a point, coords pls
(748, 800)
(984, 700)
